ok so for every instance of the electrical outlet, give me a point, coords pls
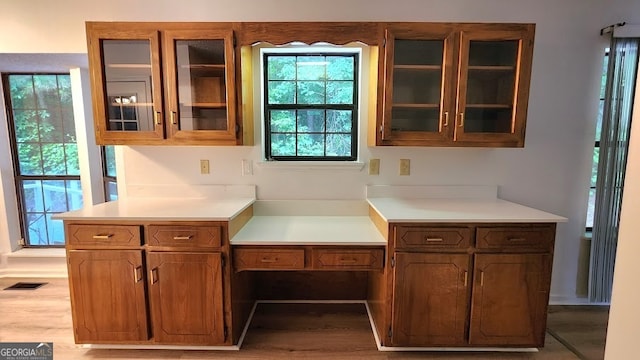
(247, 167)
(405, 166)
(204, 167)
(374, 166)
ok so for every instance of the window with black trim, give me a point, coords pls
(109, 173)
(311, 106)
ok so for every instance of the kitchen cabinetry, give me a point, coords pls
(105, 283)
(454, 84)
(163, 83)
(182, 265)
(470, 284)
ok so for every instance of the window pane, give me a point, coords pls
(283, 145)
(311, 68)
(112, 191)
(339, 92)
(33, 196)
(338, 145)
(71, 156)
(340, 68)
(55, 231)
(311, 92)
(281, 68)
(30, 158)
(37, 229)
(339, 121)
(282, 120)
(50, 125)
(26, 125)
(282, 92)
(310, 120)
(55, 159)
(46, 88)
(310, 145)
(594, 167)
(22, 94)
(599, 121)
(74, 194)
(55, 195)
(591, 207)
(110, 161)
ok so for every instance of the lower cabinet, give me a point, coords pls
(185, 296)
(431, 299)
(509, 301)
(108, 296)
(477, 295)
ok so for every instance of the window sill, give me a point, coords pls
(312, 165)
(38, 253)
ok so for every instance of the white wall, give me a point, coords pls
(551, 173)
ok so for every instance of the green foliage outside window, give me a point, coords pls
(311, 106)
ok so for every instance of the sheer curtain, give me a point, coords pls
(616, 123)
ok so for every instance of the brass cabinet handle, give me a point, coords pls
(428, 239)
(461, 123)
(102, 237)
(265, 260)
(348, 261)
(153, 274)
(466, 278)
(157, 117)
(137, 274)
(182, 237)
(517, 239)
(481, 278)
(446, 119)
(174, 121)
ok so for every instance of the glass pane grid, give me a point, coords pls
(310, 105)
(47, 169)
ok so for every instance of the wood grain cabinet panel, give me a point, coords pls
(268, 259)
(347, 259)
(430, 299)
(438, 238)
(187, 236)
(510, 238)
(509, 302)
(103, 235)
(108, 296)
(185, 293)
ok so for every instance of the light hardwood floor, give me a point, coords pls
(278, 331)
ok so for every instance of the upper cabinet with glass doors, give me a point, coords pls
(454, 85)
(163, 83)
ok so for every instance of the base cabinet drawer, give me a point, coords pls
(89, 235)
(185, 236)
(440, 238)
(510, 238)
(268, 259)
(347, 259)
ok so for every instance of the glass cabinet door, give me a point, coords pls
(128, 82)
(491, 102)
(200, 84)
(417, 103)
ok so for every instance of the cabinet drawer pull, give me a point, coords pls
(517, 239)
(182, 237)
(137, 274)
(157, 116)
(428, 239)
(348, 261)
(446, 119)
(466, 278)
(481, 278)
(461, 123)
(102, 237)
(265, 260)
(153, 274)
(173, 118)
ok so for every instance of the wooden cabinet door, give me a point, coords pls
(493, 84)
(108, 296)
(126, 84)
(418, 98)
(200, 85)
(509, 301)
(186, 298)
(430, 299)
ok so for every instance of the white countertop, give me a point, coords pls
(458, 210)
(309, 230)
(149, 209)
